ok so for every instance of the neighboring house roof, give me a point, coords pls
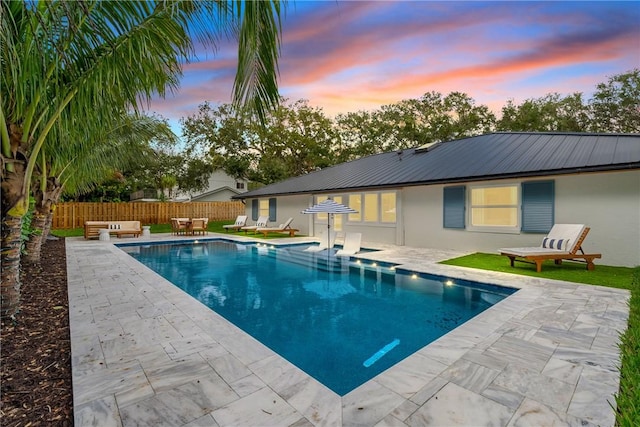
(490, 156)
(217, 190)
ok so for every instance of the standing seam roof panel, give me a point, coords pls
(490, 156)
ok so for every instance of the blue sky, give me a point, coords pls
(347, 56)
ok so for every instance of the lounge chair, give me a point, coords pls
(282, 228)
(241, 221)
(351, 244)
(260, 223)
(324, 242)
(563, 242)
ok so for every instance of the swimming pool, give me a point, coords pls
(341, 321)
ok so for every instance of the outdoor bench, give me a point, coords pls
(118, 228)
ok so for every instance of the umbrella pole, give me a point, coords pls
(328, 238)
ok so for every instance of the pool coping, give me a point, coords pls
(144, 352)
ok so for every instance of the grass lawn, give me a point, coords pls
(212, 226)
(628, 398)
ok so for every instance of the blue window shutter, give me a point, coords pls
(537, 206)
(272, 209)
(454, 207)
(254, 209)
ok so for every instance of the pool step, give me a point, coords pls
(317, 260)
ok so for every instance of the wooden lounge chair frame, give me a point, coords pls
(283, 228)
(538, 258)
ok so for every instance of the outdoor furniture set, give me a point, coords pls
(103, 229)
(189, 226)
(261, 226)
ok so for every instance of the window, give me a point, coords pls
(495, 206)
(239, 185)
(388, 205)
(337, 219)
(371, 207)
(379, 207)
(355, 202)
(263, 208)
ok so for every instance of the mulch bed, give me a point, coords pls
(35, 353)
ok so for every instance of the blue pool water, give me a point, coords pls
(339, 321)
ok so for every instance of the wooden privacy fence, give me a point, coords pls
(73, 214)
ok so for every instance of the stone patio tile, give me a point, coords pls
(321, 406)
(247, 385)
(175, 373)
(550, 391)
(532, 413)
(368, 404)
(101, 412)
(229, 367)
(278, 373)
(262, 408)
(410, 375)
(520, 352)
(469, 375)
(456, 406)
(429, 390)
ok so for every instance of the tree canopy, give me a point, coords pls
(297, 138)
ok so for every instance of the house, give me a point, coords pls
(221, 188)
(479, 193)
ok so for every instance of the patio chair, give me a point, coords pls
(351, 244)
(282, 228)
(179, 225)
(262, 222)
(325, 243)
(199, 226)
(564, 242)
(241, 221)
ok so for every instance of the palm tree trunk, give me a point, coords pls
(41, 222)
(10, 283)
(34, 244)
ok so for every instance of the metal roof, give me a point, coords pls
(490, 156)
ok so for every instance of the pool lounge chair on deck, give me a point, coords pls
(563, 242)
(241, 221)
(282, 228)
(351, 244)
(260, 223)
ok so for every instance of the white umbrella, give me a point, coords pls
(330, 207)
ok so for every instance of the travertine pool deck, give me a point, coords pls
(146, 354)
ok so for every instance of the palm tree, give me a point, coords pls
(71, 65)
(84, 161)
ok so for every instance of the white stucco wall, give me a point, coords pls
(608, 203)
(287, 207)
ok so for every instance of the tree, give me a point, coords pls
(615, 106)
(414, 122)
(551, 113)
(79, 63)
(292, 140)
(79, 164)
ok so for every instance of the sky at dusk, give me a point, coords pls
(345, 56)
